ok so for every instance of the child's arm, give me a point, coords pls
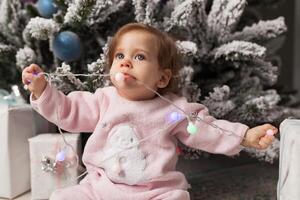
(76, 112)
(211, 139)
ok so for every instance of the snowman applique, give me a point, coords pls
(122, 159)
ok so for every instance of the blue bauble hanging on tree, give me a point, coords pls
(46, 8)
(67, 46)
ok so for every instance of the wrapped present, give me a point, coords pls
(17, 124)
(54, 164)
(289, 160)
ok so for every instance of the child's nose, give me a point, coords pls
(126, 63)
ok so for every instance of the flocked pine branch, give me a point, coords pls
(145, 10)
(25, 57)
(40, 29)
(224, 16)
(267, 72)
(238, 50)
(261, 31)
(188, 88)
(188, 50)
(103, 9)
(78, 11)
(218, 101)
(69, 81)
(192, 16)
(9, 21)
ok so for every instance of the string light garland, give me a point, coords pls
(192, 129)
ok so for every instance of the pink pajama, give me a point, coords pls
(131, 154)
(85, 192)
(97, 187)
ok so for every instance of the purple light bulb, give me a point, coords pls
(61, 156)
(174, 117)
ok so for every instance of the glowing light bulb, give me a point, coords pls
(119, 77)
(270, 132)
(61, 156)
(29, 81)
(174, 117)
(192, 129)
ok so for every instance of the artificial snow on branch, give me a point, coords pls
(40, 29)
(266, 101)
(103, 9)
(145, 10)
(9, 21)
(238, 51)
(25, 57)
(188, 88)
(261, 31)
(187, 49)
(78, 11)
(224, 16)
(188, 12)
(267, 73)
(218, 101)
(68, 82)
(191, 15)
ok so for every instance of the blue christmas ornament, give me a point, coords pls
(46, 8)
(67, 46)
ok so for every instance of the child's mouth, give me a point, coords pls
(128, 76)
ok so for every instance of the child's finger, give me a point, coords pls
(266, 141)
(27, 78)
(33, 69)
(36, 68)
(268, 138)
(275, 130)
(263, 145)
(267, 127)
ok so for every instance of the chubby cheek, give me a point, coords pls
(151, 78)
(112, 73)
(113, 70)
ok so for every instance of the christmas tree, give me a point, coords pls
(227, 53)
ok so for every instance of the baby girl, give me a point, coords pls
(131, 154)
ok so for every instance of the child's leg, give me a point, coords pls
(174, 195)
(77, 192)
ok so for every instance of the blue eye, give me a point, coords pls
(140, 57)
(119, 56)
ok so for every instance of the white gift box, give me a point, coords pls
(17, 124)
(288, 187)
(43, 180)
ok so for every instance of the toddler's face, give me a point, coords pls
(136, 56)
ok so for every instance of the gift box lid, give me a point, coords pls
(52, 137)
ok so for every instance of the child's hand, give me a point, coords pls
(35, 81)
(258, 138)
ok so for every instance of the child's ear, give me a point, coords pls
(165, 77)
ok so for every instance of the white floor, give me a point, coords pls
(25, 196)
